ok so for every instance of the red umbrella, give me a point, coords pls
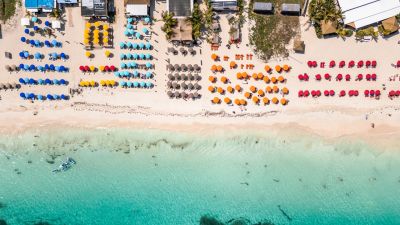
(360, 64)
(372, 93)
(373, 63)
(313, 93)
(306, 77)
(326, 93)
(301, 77)
(359, 76)
(306, 93)
(398, 63)
(355, 93)
(351, 64)
(327, 76)
(332, 63)
(348, 77)
(366, 93)
(342, 64)
(87, 68)
(82, 68)
(397, 93)
(318, 77)
(368, 63)
(339, 77)
(331, 92)
(373, 76)
(301, 93)
(107, 68)
(342, 93)
(112, 68)
(377, 92)
(351, 93)
(319, 93)
(310, 63)
(315, 64)
(392, 93)
(368, 77)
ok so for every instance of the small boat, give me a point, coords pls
(65, 165)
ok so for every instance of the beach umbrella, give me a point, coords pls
(25, 66)
(47, 23)
(135, 56)
(63, 69)
(34, 19)
(56, 96)
(141, 45)
(35, 28)
(92, 68)
(135, 45)
(148, 45)
(21, 54)
(47, 81)
(142, 84)
(138, 36)
(54, 55)
(112, 68)
(131, 32)
(148, 74)
(32, 42)
(26, 80)
(54, 42)
(122, 45)
(129, 84)
(145, 30)
(126, 74)
(128, 56)
(38, 55)
(52, 67)
(50, 97)
(21, 81)
(148, 65)
(32, 67)
(147, 19)
(141, 56)
(133, 65)
(129, 26)
(126, 32)
(107, 53)
(122, 56)
(148, 56)
(47, 43)
(26, 31)
(122, 83)
(149, 84)
(129, 44)
(116, 74)
(130, 20)
(88, 54)
(123, 65)
(22, 95)
(31, 96)
(40, 81)
(56, 82)
(37, 42)
(135, 84)
(23, 39)
(63, 82)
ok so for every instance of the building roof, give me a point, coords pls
(328, 27)
(35, 4)
(182, 31)
(390, 24)
(262, 6)
(291, 8)
(299, 46)
(67, 1)
(94, 8)
(365, 12)
(180, 8)
(137, 2)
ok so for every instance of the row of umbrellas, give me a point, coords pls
(184, 77)
(5, 86)
(130, 30)
(331, 93)
(342, 64)
(87, 68)
(134, 74)
(132, 65)
(44, 68)
(93, 83)
(136, 46)
(38, 55)
(32, 96)
(177, 86)
(47, 81)
(135, 56)
(255, 99)
(184, 67)
(133, 33)
(134, 19)
(394, 93)
(136, 84)
(183, 94)
(339, 77)
(37, 43)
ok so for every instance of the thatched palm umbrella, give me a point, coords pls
(171, 77)
(171, 67)
(177, 77)
(14, 67)
(176, 86)
(190, 86)
(2, 86)
(8, 68)
(196, 95)
(8, 86)
(197, 77)
(191, 77)
(197, 67)
(197, 86)
(184, 77)
(169, 84)
(184, 86)
(177, 94)
(184, 67)
(190, 67)
(177, 67)
(191, 96)
(14, 86)
(184, 94)
(170, 94)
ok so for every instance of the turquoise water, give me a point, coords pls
(154, 177)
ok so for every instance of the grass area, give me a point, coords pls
(7, 8)
(271, 33)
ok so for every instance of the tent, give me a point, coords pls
(299, 46)
(391, 25)
(25, 22)
(328, 27)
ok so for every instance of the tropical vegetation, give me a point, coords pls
(368, 31)
(169, 23)
(197, 21)
(324, 10)
(7, 8)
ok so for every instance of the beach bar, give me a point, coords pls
(137, 7)
(224, 5)
(37, 6)
(94, 8)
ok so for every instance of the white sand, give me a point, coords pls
(103, 107)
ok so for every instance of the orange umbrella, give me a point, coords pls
(101, 68)
(273, 80)
(260, 92)
(278, 68)
(211, 88)
(224, 79)
(232, 64)
(276, 89)
(238, 88)
(283, 101)
(256, 99)
(267, 68)
(255, 77)
(245, 75)
(286, 67)
(253, 89)
(229, 89)
(212, 79)
(214, 56)
(214, 68)
(260, 76)
(285, 91)
(243, 102)
(219, 68)
(275, 100)
(239, 76)
(266, 79)
(220, 90)
(216, 100)
(268, 89)
(266, 100)
(227, 100)
(281, 79)
(237, 101)
(247, 94)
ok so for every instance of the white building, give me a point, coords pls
(137, 7)
(361, 13)
(222, 5)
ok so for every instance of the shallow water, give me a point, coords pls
(154, 177)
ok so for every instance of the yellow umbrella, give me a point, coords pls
(97, 24)
(86, 41)
(87, 31)
(88, 25)
(87, 83)
(105, 40)
(101, 68)
(102, 83)
(96, 41)
(86, 35)
(82, 83)
(105, 33)
(108, 53)
(96, 32)
(112, 82)
(92, 68)
(88, 54)
(92, 83)
(105, 27)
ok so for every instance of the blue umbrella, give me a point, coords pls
(130, 20)
(47, 23)
(122, 56)
(52, 67)
(21, 66)
(22, 95)
(57, 68)
(148, 45)
(31, 96)
(41, 68)
(64, 97)
(56, 96)
(50, 97)
(63, 69)
(34, 19)
(26, 54)
(26, 67)
(133, 64)
(40, 97)
(63, 82)
(35, 28)
(131, 32)
(145, 30)
(149, 84)
(148, 65)
(55, 81)
(141, 56)
(129, 84)
(47, 81)
(135, 56)
(136, 84)
(135, 46)
(21, 81)
(23, 39)
(122, 83)
(135, 73)
(148, 74)
(123, 65)
(138, 36)
(141, 45)
(116, 74)
(32, 67)
(32, 81)
(21, 54)
(129, 44)
(54, 55)
(37, 42)
(47, 67)
(54, 42)
(129, 56)
(26, 80)
(126, 32)
(148, 56)
(126, 73)
(40, 81)
(147, 20)
(129, 26)
(47, 43)
(63, 55)
(26, 31)
(32, 42)
(38, 55)
(122, 45)
(142, 84)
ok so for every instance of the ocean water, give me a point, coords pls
(157, 177)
